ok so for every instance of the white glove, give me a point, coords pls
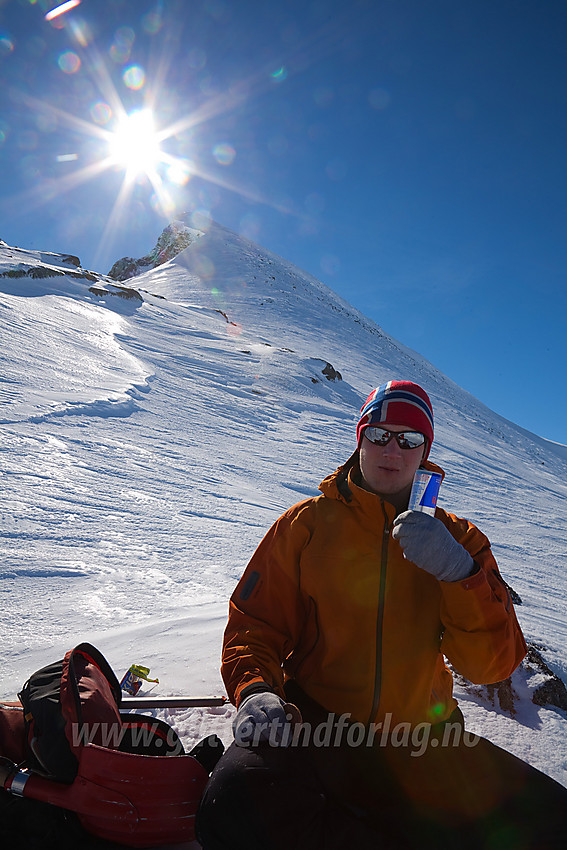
(427, 543)
(261, 717)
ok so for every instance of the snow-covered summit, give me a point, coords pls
(149, 442)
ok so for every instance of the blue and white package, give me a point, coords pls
(424, 491)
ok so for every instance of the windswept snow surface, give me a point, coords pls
(147, 445)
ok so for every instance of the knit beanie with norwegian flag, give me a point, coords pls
(398, 403)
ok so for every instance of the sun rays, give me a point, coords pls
(134, 144)
(143, 127)
(131, 140)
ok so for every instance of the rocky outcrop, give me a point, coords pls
(552, 690)
(173, 239)
(547, 689)
(65, 266)
(70, 259)
(125, 292)
(323, 367)
(40, 270)
(330, 373)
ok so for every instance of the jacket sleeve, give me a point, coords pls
(482, 638)
(266, 611)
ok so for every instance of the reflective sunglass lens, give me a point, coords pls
(410, 441)
(378, 436)
(405, 440)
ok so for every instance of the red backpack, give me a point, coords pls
(71, 703)
(66, 705)
(71, 728)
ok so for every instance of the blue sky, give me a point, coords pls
(409, 153)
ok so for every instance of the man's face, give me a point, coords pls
(389, 470)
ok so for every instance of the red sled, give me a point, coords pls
(126, 776)
(135, 800)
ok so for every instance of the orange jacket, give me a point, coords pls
(329, 600)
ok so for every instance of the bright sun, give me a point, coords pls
(134, 145)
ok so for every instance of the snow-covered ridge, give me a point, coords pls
(63, 321)
(149, 442)
(19, 266)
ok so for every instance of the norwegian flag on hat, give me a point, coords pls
(398, 403)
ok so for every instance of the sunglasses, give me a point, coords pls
(405, 440)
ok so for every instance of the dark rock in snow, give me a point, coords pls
(322, 367)
(515, 597)
(331, 374)
(70, 259)
(122, 291)
(552, 691)
(504, 695)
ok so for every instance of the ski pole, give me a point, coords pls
(172, 702)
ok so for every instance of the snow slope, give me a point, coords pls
(152, 431)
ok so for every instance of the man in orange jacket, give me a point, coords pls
(347, 733)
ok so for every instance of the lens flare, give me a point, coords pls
(6, 44)
(60, 10)
(81, 32)
(125, 35)
(69, 62)
(279, 75)
(152, 23)
(224, 153)
(179, 172)
(121, 48)
(101, 113)
(134, 77)
(119, 53)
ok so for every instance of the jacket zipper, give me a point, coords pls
(380, 616)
